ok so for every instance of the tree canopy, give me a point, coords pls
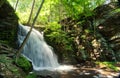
(55, 10)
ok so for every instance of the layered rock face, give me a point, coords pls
(108, 24)
(8, 23)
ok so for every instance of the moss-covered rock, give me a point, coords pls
(23, 63)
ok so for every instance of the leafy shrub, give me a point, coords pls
(54, 33)
(59, 40)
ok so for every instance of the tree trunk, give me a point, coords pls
(16, 5)
(31, 12)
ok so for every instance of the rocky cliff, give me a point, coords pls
(8, 23)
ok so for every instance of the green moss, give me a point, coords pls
(33, 75)
(23, 63)
(110, 65)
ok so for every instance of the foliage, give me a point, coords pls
(77, 7)
(54, 33)
(55, 10)
(23, 63)
(59, 40)
(24, 7)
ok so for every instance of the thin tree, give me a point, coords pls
(28, 34)
(31, 12)
(16, 4)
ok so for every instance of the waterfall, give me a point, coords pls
(39, 52)
(36, 49)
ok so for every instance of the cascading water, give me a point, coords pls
(38, 52)
(36, 49)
